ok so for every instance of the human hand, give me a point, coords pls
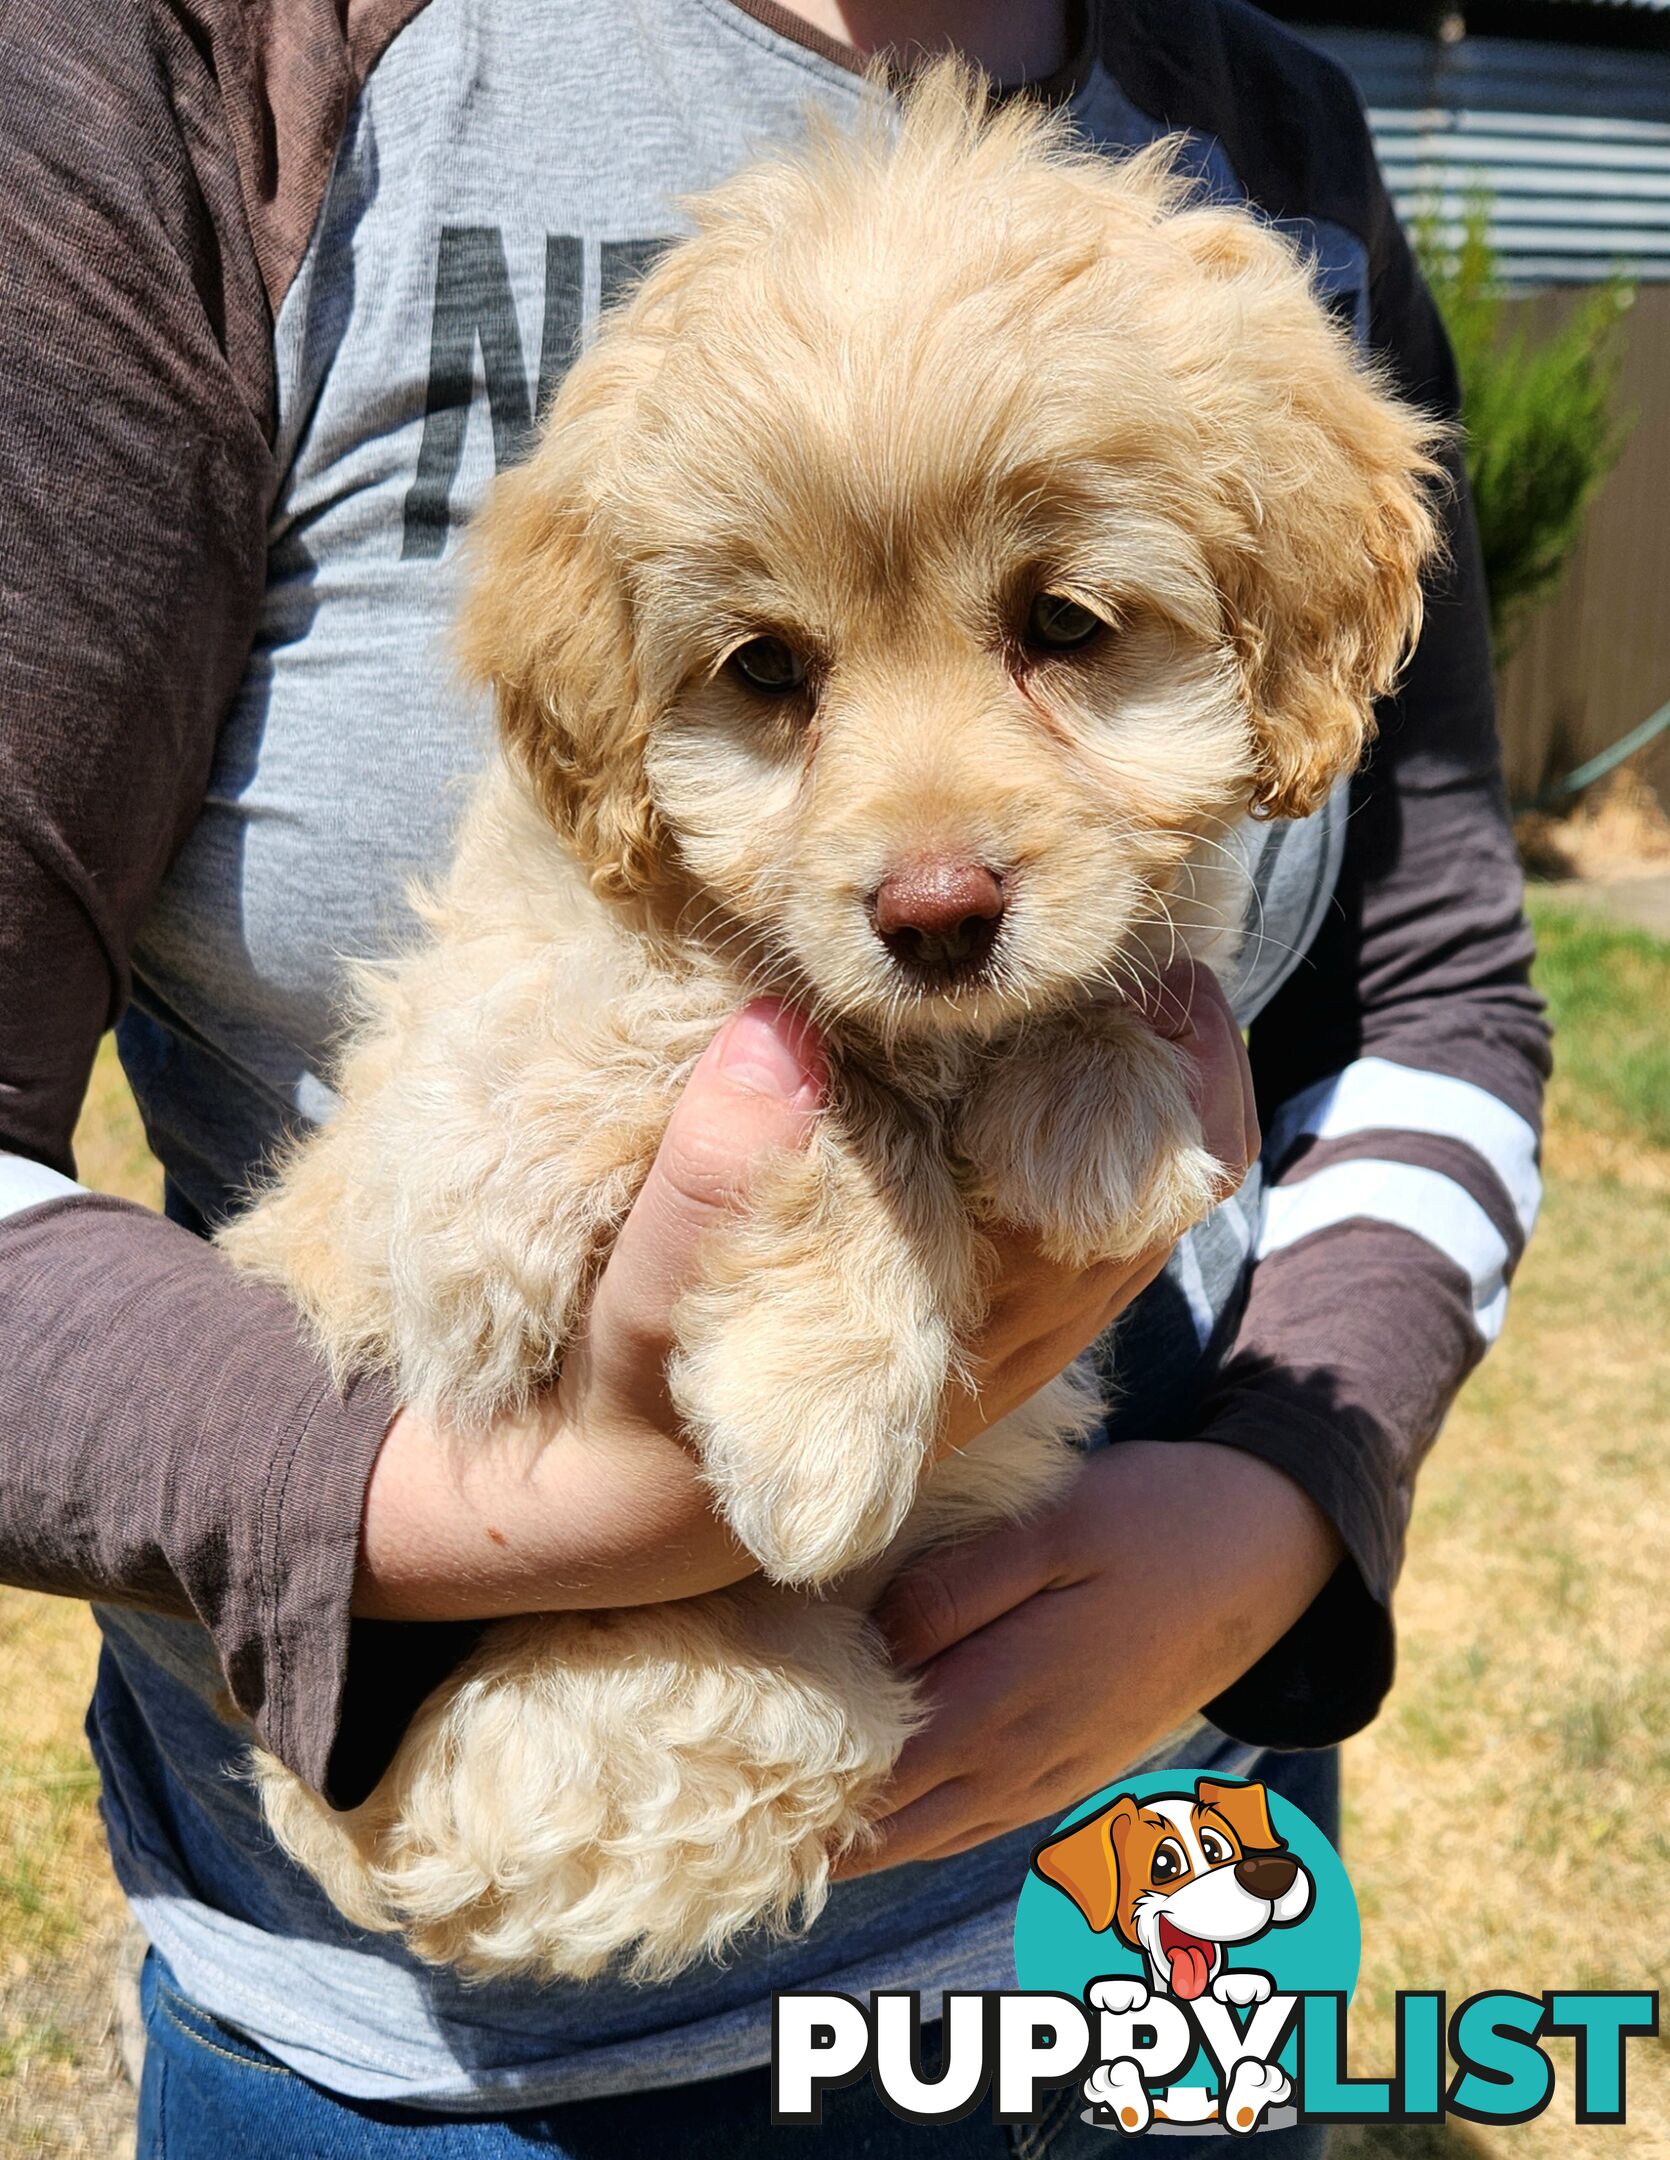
(592, 1498)
(1044, 1314)
(1056, 1652)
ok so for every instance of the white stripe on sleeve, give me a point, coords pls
(1376, 1095)
(1425, 1202)
(25, 1184)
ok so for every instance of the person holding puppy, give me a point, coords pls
(243, 449)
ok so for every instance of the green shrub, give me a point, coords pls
(1543, 429)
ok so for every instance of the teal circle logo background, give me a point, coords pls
(1056, 1950)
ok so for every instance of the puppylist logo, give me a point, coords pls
(1186, 1947)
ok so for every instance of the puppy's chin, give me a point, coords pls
(864, 989)
(972, 1008)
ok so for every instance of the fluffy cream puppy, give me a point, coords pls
(912, 585)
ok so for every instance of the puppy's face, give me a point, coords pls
(946, 546)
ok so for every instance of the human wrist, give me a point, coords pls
(1226, 1541)
(547, 1512)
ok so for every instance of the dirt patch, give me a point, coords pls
(1618, 829)
(62, 2089)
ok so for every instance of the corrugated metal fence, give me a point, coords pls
(1571, 142)
(1571, 198)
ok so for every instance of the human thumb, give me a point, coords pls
(755, 1090)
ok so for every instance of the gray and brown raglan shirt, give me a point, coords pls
(283, 281)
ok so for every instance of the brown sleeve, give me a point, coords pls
(173, 1443)
(1357, 1335)
(165, 1438)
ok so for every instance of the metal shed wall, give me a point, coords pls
(1572, 142)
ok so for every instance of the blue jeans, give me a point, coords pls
(208, 2093)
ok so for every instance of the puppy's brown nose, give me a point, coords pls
(939, 918)
(1267, 1875)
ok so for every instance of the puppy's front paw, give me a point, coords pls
(811, 1361)
(1087, 1135)
(813, 1434)
(1242, 1989)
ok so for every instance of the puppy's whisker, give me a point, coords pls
(1231, 854)
(1236, 861)
(1264, 939)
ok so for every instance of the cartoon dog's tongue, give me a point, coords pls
(1189, 1958)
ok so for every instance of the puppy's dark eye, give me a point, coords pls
(1168, 1862)
(1056, 624)
(1215, 1848)
(766, 663)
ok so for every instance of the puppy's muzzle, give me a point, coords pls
(1267, 1875)
(939, 919)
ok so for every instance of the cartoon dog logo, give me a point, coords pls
(1182, 1878)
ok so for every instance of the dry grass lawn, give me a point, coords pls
(1508, 1820)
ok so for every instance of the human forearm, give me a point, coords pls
(548, 1515)
(171, 1441)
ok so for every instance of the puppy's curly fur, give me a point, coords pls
(898, 384)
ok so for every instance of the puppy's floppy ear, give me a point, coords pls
(1085, 1861)
(1246, 1809)
(1326, 483)
(548, 626)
